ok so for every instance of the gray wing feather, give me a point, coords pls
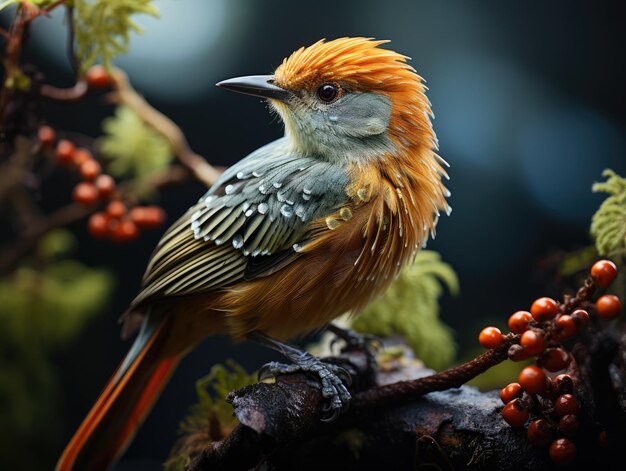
(267, 200)
(246, 225)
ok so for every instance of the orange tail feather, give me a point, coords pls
(119, 411)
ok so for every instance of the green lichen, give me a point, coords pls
(410, 308)
(103, 28)
(133, 148)
(211, 418)
(608, 225)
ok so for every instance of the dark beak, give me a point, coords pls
(256, 85)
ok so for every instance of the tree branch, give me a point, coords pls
(404, 391)
(74, 93)
(10, 255)
(419, 426)
(127, 95)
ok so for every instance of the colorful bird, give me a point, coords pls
(304, 229)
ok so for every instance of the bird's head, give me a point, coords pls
(347, 99)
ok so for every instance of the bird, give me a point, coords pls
(304, 229)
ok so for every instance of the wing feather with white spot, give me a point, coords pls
(247, 225)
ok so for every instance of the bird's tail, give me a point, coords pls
(124, 403)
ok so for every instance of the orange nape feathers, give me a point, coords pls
(402, 190)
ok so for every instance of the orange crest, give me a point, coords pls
(357, 62)
(360, 64)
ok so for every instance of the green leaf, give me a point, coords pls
(103, 28)
(52, 305)
(133, 148)
(43, 307)
(608, 225)
(410, 308)
(56, 243)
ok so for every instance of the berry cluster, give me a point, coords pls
(116, 222)
(121, 225)
(540, 390)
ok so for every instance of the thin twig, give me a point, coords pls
(584, 294)
(25, 243)
(74, 93)
(127, 95)
(404, 391)
(10, 255)
(12, 171)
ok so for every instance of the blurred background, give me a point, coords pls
(530, 106)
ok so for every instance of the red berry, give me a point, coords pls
(81, 155)
(105, 185)
(604, 272)
(532, 379)
(566, 404)
(518, 322)
(554, 359)
(514, 414)
(517, 353)
(544, 309)
(510, 392)
(156, 215)
(562, 451)
(148, 217)
(539, 432)
(490, 337)
(98, 77)
(85, 193)
(125, 231)
(569, 425)
(90, 169)
(98, 225)
(565, 327)
(116, 209)
(608, 306)
(533, 341)
(46, 135)
(581, 317)
(564, 384)
(64, 151)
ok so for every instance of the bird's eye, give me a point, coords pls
(328, 92)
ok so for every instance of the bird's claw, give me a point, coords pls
(333, 382)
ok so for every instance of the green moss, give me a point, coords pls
(103, 28)
(410, 308)
(608, 225)
(211, 418)
(132, 147)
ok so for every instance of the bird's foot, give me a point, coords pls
(332, 380)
